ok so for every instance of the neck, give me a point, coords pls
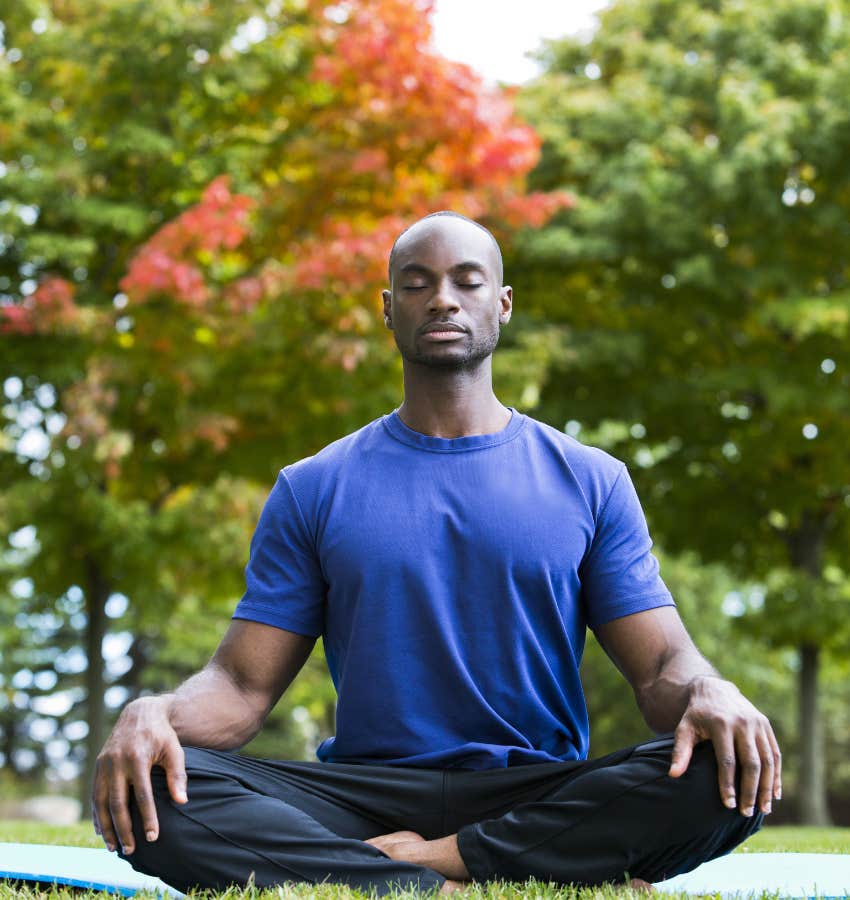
(451, 404)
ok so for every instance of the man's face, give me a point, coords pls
(447, 303)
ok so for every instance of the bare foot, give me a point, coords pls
(386, 842)
(441, 855)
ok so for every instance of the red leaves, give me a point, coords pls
(404, 132)
(49, 308)
(15, 320)
(407, 132)
(167, 263)
(153, 271)
(382, 62)
(369, 161)
(535, 209)
(343, 255)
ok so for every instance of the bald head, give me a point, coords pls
(441, 225)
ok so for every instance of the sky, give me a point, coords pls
(493, 37)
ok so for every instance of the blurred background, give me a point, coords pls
(197, 200)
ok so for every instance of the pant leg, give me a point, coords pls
(272, 823)
(617, 817)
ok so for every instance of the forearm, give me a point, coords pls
(663, 698)
(210, 710)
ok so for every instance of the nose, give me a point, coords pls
(444, 297)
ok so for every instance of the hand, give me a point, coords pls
(741, 735)
(142, 738)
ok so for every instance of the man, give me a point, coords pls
(451, 555)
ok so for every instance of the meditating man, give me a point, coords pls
(451, 555)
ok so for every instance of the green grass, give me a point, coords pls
(495, 891)
(795, 839)
(771, 839)
(23, 832)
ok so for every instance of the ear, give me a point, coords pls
(506, 304)
(388, 309)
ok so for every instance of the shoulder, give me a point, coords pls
(315, 470)
(581, 455)
(593, 471)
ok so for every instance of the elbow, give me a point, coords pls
(254, 713)
(239, 731)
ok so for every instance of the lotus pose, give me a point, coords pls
(451, 555)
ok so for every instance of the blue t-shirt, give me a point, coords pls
(452, 581)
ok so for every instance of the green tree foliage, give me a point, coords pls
(701, 284)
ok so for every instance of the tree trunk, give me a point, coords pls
(9, 744)
(97, 593)
(805, 547)
(812, 790)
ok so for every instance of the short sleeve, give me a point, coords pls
(619, 574)
(283, 579)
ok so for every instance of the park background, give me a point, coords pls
(196, 205)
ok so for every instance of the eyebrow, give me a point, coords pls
(469, 265)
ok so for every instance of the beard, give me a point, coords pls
(460, 356)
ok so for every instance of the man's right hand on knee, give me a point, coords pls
(221, 707)
(142, 738)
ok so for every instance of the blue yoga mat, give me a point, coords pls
(821, 875)
(82, 867)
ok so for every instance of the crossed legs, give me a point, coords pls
(584, 823)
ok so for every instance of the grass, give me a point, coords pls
(780, 838)
(795, 839)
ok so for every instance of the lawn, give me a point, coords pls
(770, 839)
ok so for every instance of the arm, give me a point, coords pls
(221, 707)
(678, 690)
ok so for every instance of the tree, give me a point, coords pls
(199, 199)
(701, 286)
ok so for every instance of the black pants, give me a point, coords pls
(569, 822)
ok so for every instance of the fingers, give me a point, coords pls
(119, 812)
(111, 803)
(100, 807)
(750, 764)
(175, 772)
(766, 778)
(143, 793)
(683, 748)
(760, 762)
(724, 751)
(777, 763)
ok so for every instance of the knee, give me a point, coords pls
(148, 856)
(206, 772)
(703, 779)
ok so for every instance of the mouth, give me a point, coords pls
(442, 331)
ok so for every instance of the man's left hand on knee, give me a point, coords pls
(744, 744)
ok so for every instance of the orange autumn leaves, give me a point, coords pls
(399, 131)
(418, 132)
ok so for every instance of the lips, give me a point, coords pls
(442, 326)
